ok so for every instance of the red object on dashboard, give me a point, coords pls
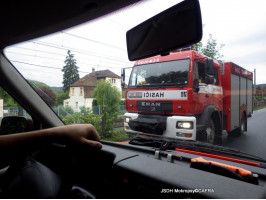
(241, 171)
(218, 157)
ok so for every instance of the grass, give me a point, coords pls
(259, 108)
(119, 135)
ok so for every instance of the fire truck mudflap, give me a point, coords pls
(176, 127)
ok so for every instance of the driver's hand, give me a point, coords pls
(79, 134)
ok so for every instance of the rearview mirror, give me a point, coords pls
(174, 28)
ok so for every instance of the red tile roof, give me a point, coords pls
(91, 79)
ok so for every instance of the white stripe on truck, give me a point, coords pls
(159, 94)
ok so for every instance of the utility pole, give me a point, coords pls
(255, 81)
(1, 108)
(255, 90)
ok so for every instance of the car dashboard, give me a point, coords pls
(126, 171)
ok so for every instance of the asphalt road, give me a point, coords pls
(254, 140)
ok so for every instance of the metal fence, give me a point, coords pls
(14, 111)
(98, 109)
(259, 104)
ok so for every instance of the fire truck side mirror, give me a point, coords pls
(123, 78)
(209, 68)
(196, 85)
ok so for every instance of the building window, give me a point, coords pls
(113, 80)
(72, 91)
(80, 91)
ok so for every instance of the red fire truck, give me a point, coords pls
(186, 95)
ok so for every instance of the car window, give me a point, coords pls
(77, 72)
(9, 107)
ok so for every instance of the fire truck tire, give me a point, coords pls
(239, 131)
(212, 134)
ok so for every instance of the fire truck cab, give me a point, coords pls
(186, 95)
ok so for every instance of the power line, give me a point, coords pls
(49, 66)
(96, 65)
(40, 71)
(55, 54)
(35, 65)
(105, 44)
(45, 71)
(40, 51)
(33, 56)
(43, 66)
(79, 51)
(47, 58)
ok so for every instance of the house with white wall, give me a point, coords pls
(1, 108)
(81, 91)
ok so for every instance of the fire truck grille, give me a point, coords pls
(156, 106)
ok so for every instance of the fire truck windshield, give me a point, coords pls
(168, 73)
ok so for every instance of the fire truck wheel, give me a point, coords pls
(211, 133)
(241, 129)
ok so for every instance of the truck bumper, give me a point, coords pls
(172, 129)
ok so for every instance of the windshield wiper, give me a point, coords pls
(160, 85)
(152, 86)
(194, 146)
(173, 84)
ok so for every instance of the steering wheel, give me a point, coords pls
(30, 178)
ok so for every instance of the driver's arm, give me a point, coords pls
(77, 134)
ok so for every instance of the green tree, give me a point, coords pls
(8, 100)
(47, 95)
(70, 70)
(36, 84)
(211, 49)
(4, 95)
(44, 91)
(61, 97)
(108, 97)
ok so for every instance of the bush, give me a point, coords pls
(85, 111)
(118, 136)
(77, 118)
(122, 102)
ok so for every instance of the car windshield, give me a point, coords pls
(169, 73)
(220, 100)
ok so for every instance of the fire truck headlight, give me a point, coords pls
(127, 119)
(184, 125)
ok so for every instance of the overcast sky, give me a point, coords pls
(238, 24)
